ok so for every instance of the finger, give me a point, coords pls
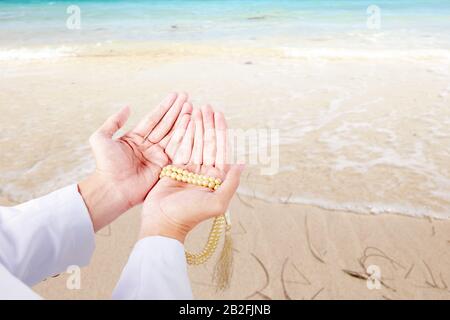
(187, 109)
(164, 126)
(177, 137)
(221, 140)
(216, 203)
(147, 124)
(183, 154)
(114, 122)
(230, 184)
(209, 136)
(197, 149)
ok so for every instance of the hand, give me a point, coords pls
(128, 167)
(173, 208)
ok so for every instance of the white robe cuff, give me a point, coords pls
(44, 236)
(156, 269)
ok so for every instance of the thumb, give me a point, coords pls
(114, 122)
(231, 183)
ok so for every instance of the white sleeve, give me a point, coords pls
(156, 269)
(42, 237)
(12, 288)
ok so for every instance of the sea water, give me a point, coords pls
(349, 24)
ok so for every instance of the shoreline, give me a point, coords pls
(272, 49)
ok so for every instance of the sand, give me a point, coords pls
(302, 253)
(363, 176)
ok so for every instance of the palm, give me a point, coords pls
(180, 206)
(166, 197)
(132, 163)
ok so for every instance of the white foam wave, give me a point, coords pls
(353, 207)
(338, 53)
(16, 192)
(35, 54)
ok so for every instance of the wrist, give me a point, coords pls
(163, 228)
(103, 201)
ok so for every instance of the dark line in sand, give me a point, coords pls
(434, 284)
(443, 281)
(409, 271)
(266, 273)
(311, 248)
(245, 203)
(356, 274)
(365, 276)
(303, 276)
(265, 297)
(316, 294)
(243, 228)
(244, 231)
(283, 283)
(381, 254)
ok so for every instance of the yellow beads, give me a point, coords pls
(211, 245)
(212, 183)
(184, 175)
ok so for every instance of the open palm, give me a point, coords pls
(133, 162)
(177, 207)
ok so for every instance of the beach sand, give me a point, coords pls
(363, 179)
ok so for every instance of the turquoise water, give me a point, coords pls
(44, 22)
